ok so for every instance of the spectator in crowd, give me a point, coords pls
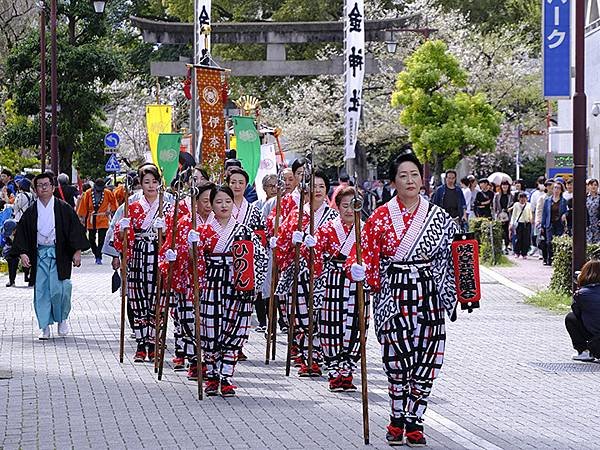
(450, 197)
(553, 219)
(521, 226)
(466, 190)
(583, 322)
(7, 180)
(568, 195)
(483, 199)
(519, 187)
(8, 233)
(65, 191)
(94, 211)
(593, 212)
(423, 193)
(539, 209)
(540, 191)
(502, 205)
(24, 198)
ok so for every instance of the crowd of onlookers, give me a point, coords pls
(530, 218)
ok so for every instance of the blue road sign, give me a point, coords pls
(112, 140)
(112, 165)
(557, 48)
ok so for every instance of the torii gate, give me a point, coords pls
(275, 35)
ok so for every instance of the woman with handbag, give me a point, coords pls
(503, 202)
(521, 224)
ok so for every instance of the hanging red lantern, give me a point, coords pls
(465, 255)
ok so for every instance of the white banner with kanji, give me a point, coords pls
(202, 25)
(354, 60)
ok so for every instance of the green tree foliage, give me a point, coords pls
(444, 122)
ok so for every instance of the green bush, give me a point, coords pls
(488, 253)
(562, 261)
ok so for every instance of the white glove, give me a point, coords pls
(297, 237)
(310, 241)
(193, 237)
(171, 255)
(358, 272)
(273, 242)
(124, 223)
(159, 222)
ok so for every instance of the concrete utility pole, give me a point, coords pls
(579, 141)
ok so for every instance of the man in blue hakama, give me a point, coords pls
(49, 239)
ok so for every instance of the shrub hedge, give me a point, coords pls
(562, 261)
(480, 226)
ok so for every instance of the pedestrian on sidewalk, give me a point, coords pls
(553, 219)
(49, 239)
(502, 205)
(408, 267)
(593, 213)
(520, 224)
(583, 322)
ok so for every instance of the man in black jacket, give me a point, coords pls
(49, 238)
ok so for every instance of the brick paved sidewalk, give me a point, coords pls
(530, 273)
(72, 392)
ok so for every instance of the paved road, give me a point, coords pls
(493, 393)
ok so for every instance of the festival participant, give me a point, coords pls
(288, 237)
(243, 212)
(290, 200)
(94, 211)
(336, 302)
(182, 284)
(408, 267)
(49, 239)
(225, 309)
(141, 230)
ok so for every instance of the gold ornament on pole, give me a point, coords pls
(247, 104)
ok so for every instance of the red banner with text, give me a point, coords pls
(212, 86)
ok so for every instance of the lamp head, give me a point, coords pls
(99, 6)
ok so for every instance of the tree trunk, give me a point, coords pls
(65, 159)
(437, 171)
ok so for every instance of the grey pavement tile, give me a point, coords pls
(487, 388)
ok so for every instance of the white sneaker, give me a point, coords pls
(583, 356)
(63, 328)
(45, 334)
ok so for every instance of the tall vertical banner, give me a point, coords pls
(354, 74)
(267, 166)
(168, 155)
(247, 144)
(158, 120)
(557, 48)
(210, 99)
(202, 23)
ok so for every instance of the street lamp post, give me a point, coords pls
(42, 6)
(579, 141)
(53, 87)
(99, 8)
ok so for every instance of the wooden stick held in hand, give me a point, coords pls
(124, 279)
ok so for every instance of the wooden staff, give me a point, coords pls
(157, 293)
(162, 330)
(196, 290)
(311, 272)
(272, 325)
(124, 278)
(292, 312)
(360, 298)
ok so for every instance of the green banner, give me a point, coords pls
(248, 144)
(168, 155)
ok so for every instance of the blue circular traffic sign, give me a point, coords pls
(112, 140)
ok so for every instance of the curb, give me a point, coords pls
(506, 282)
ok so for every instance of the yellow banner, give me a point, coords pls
(158, 120)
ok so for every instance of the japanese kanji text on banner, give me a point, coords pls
(211, 82)
(557, 48)
(354, 57)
